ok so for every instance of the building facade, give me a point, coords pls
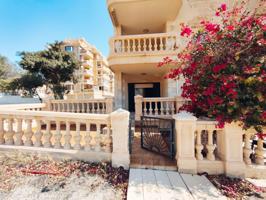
(145, 32)
(94, 79)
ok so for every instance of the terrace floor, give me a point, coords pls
(141, 158)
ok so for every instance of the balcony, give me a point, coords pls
(139, 49)
(151, 15)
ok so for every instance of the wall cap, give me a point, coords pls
(185, 116)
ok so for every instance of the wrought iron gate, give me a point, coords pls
(157, 135)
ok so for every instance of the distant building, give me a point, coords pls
(94, 77)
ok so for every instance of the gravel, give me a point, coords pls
(30, 178)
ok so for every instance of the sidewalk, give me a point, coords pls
(164, 185)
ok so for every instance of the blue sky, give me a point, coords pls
(28, 25)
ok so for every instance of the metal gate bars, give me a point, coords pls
(157, 135)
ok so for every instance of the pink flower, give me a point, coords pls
(186, 31)
(212, 28)
(263, 115)
(218, 68)
(230, 28)
(223, 7)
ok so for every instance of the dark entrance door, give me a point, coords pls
(144, 89)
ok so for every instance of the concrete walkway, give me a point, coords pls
(147, 184)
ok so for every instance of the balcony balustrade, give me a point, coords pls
(162, 43)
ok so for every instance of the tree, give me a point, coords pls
(28, 83)
(224, 68)
(7, 73)
(53, 65)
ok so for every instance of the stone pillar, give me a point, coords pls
(185, 127)
(179, 101)
(120, 134)
(109, 104)
(47, 102)
(118, 90)
(138, 107)
(233, 150)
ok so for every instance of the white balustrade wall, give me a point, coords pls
(157, 106)
(76, 135)
(206, 140)
(147, 43)
(98, 106)
(204, 147)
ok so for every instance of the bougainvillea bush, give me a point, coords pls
(224, 67)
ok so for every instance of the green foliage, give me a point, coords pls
(53, 66)
(224, 67)
(7, 73)
(28, 83)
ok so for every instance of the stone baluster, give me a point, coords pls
(247, 148)
(150, 108)
(77, 137)
(139, 45)
(167, 109)
(98, 108)
(72, 107)
(2, 131)
(161, 44)
(67, 136)
(10, 132)
(93, 107)
(97, 137)
(156, 107)
(156, 44)
(145, 108)
(123, 46)
(199, 146)
(150, 45)
(38, 134)
(87, 137)
(144, 44)
(172, 107)
(259, 152)
(133, 46)
(28, 134)
(63, 107)
(107, 138)
(47, 135)
(57, 135)
(210, 146)
(83, 107)
(88, 108)
(128, 45)
(19, 133)
(78, 107)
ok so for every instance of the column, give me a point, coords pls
(185, 127)
(109, 104)
(120, 134)
(138, 107)
(233, 150)
(118, 90)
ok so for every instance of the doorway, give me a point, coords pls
(143, 89)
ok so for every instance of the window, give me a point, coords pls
(68, 48)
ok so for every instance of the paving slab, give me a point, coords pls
(135, 186)
(201, 188)
(148, 184)
(258, 182)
